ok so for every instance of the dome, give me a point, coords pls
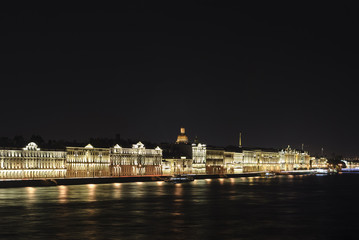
(182, 138)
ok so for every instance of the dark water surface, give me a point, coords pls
(284, 207)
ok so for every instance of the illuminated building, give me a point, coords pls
(319, 163)
(182, 138)
(215, 161)
(233, 162)
(199, 153)
(135, 161)
(260, 160)
(291, 159)
(87, 161)
(167, 166)
(250, 161)
(117, 161)
(31, 162)
(177, 157)
(351, 163)
(181, 165)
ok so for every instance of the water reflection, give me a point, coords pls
(117, 190)
(31, 198)
(178, 189)
(271, 208)
(221, 181)
(91, 192)
(62, 194)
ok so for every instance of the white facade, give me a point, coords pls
(291, 159)
(87, 161)
(136, 160)
(31, 162)
(199, 152)
(233, 162)
(88, 154)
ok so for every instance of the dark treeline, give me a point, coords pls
(335, 160)
(21, 141)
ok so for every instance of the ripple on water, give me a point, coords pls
(246, 208)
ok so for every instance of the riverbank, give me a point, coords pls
(296, 172)
(13, 183)
(78, 181)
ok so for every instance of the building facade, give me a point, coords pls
(199, 153)
(291, 159)
(233, 162)
(87, 162)
(215, 161)
(351, 163)
(32, 163)
(318, 163)
(135, 161)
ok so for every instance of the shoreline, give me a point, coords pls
(15, 183)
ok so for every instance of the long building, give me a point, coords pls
(291, 159)
(233, 159)
(135, 161)
(260, 160)
(238, 159)
(181, 157)
(88, 161)
(31, 162)
(79, 162)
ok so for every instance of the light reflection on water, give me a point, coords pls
(248, 208)
(62, 194)
(30, 194)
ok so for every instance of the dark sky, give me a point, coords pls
(280, 74)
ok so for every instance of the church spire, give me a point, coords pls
(240, 139)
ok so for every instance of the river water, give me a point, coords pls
(283, 207)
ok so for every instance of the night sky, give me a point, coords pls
(280, 74)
